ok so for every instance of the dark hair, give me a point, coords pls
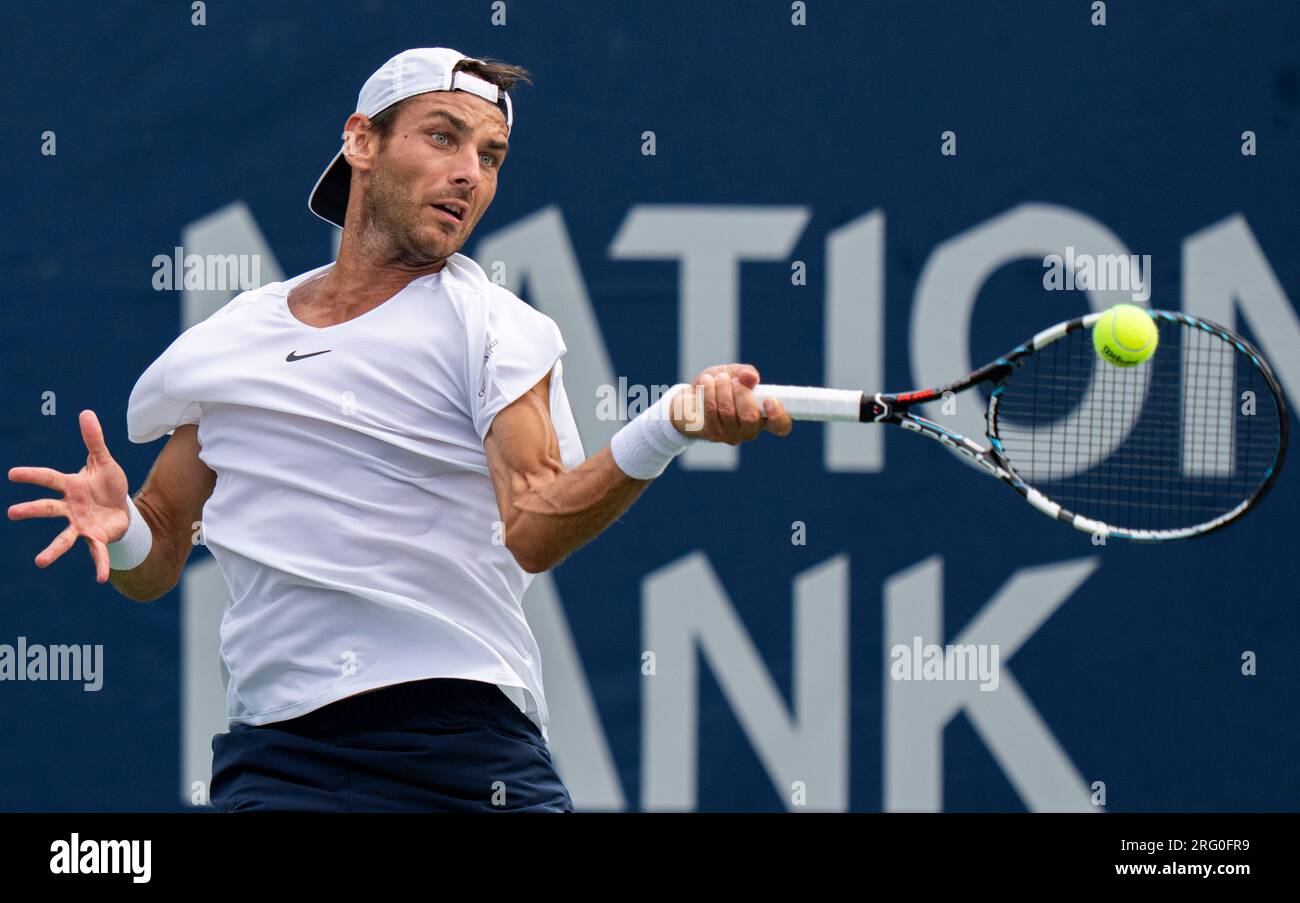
(503, 75)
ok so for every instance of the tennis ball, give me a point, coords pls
(1125, 335)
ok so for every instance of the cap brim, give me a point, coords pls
(329, 199)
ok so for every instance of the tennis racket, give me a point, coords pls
(1173, 448)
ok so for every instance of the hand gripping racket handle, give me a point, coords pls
(812, 403)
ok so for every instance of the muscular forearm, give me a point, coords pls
(158, 573)
(549, 511)
(552, 519)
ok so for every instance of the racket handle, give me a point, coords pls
(812, 403)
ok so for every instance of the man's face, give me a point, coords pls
(443, 147)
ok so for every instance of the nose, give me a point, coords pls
(466, 170)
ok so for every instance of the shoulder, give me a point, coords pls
(506, 310)
(240, 310)
(495, 306)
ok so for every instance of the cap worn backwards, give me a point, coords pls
(411, 72)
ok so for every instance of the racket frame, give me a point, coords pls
(896, 409)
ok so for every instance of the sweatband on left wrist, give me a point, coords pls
(133, 546)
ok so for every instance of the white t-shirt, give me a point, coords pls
(353, 516)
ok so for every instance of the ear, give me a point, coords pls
(360, 142)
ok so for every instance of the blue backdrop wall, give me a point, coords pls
(726, 644)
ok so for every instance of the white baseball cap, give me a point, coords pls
(411, 72)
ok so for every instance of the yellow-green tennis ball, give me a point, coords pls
(1125, 335)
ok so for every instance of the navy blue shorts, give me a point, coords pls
(440, 745)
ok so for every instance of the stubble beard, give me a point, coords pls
(403, 228)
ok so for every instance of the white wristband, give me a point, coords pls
(134, 546)
(645, 447)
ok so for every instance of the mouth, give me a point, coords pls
(452, 210)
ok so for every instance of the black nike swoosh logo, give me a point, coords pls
(295, 356)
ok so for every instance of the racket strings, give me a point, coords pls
(1165, 445)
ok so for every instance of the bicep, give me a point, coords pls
(523, 450)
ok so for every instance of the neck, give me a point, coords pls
(368, 266)
(366, 274)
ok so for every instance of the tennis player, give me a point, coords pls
(380, 455)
